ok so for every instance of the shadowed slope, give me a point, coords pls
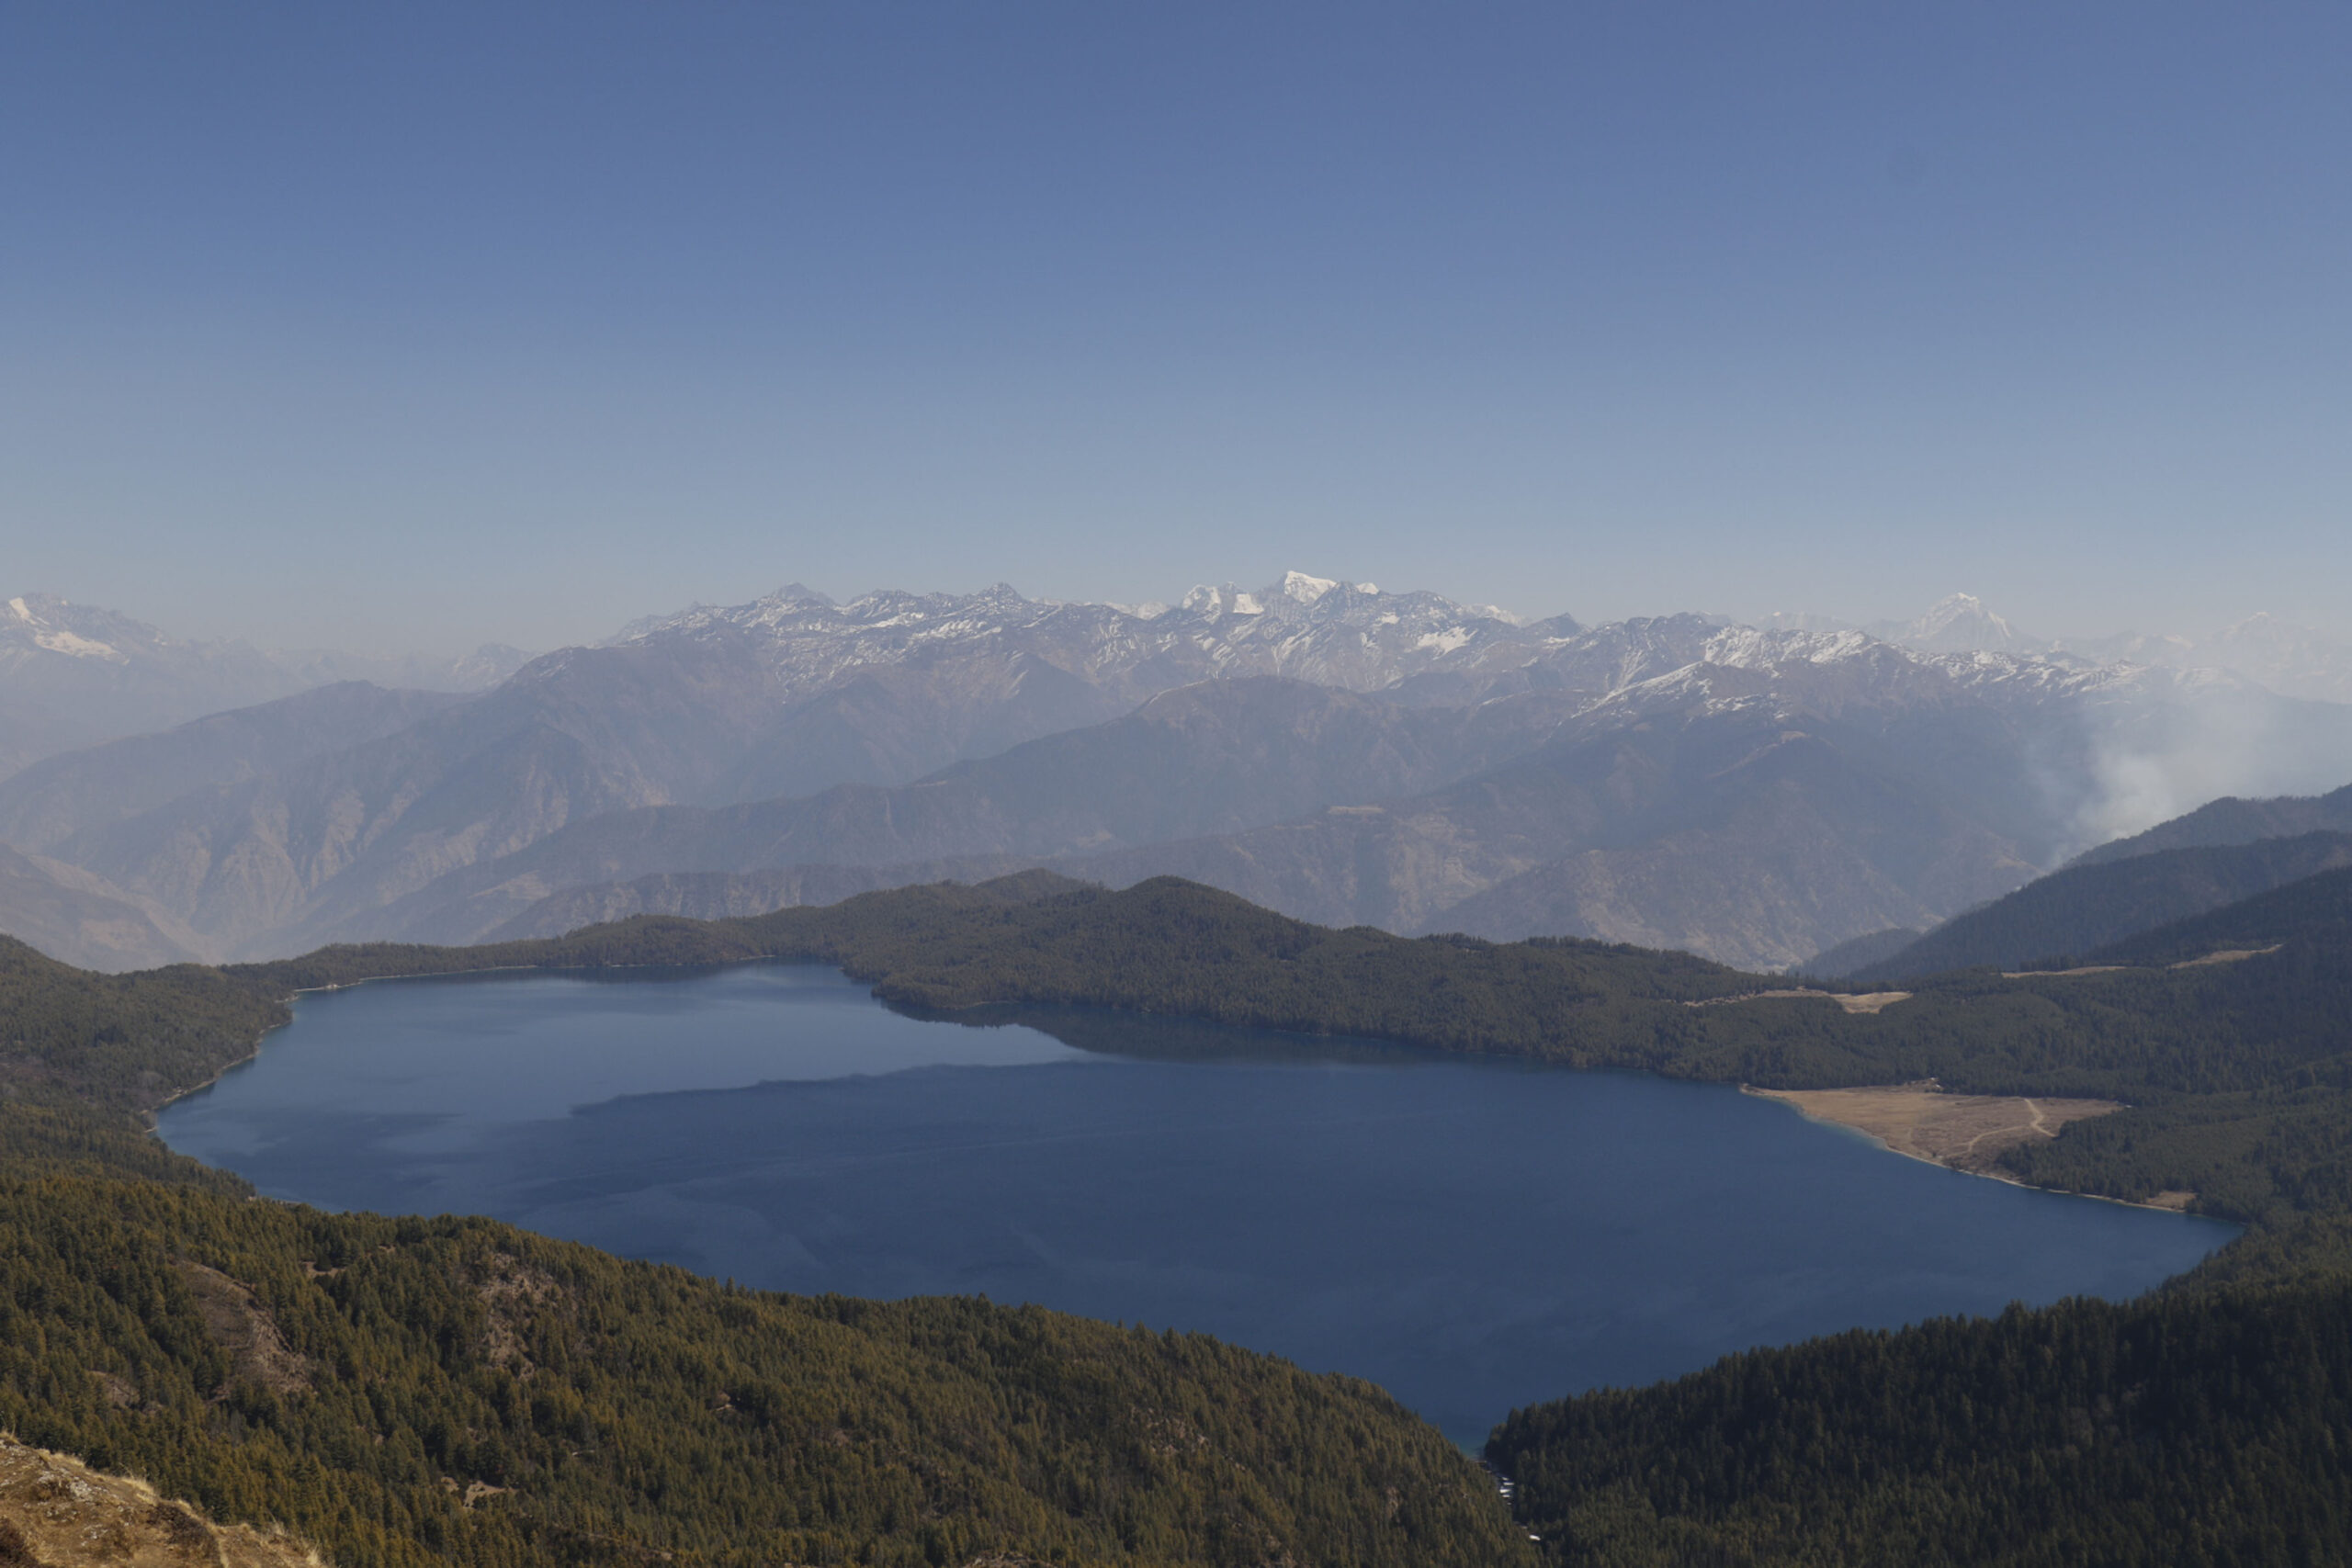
(2090, 907)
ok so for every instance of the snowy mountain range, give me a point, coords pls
(1325, 748)
(2291, 660)
(1350, 636)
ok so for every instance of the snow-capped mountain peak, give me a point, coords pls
(1305, 589)
(57, 625)
(1958, 623)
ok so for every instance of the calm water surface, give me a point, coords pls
(1471, 1234)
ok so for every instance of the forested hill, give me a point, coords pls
(2316, 909)
(424, 1391)
(2050, 921)
(2190, 1430)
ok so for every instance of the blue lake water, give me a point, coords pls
(1473, 1235)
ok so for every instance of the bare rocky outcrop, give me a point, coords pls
(56, 1512)
(239, 1324)
(513, 1293)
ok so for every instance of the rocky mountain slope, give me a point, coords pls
(788, 695)
(1215, 757)
(1738, 836)
(92, 674)
(79, 917)
(57, 1512)
(48, 803)
(1753, 796)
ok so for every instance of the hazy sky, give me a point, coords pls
(416, 325)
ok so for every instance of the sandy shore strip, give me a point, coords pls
(1965, 1132)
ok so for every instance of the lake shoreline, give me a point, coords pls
(1286, 1193)
(1962, 1132)
(1823, 1106)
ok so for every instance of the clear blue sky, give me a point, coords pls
(421, 325)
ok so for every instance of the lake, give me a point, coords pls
(1473, 1234)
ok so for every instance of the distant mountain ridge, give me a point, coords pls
(1212, 757)
(2283, 658)
(45, 804)
(1350, 636)
(76, 674)
(1751, 858)
(1681, 669)
(2233, 820)
(1344, 754)
(782, 697)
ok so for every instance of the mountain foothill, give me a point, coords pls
(1326, 749)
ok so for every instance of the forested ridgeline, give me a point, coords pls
(82, 1054)
(2235, 820)
(2192, 1429)
(2317, 907)
(121, 1042)
(417, 1391)
(2085, 908)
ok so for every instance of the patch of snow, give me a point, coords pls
(18, 604)
(1248, 604)
(1445, 641)
(80, 647)
(1305, 590)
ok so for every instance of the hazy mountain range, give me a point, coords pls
(1324, 747)
(2288, 660)
(73, 674)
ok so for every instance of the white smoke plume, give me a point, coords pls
(2209, 737)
